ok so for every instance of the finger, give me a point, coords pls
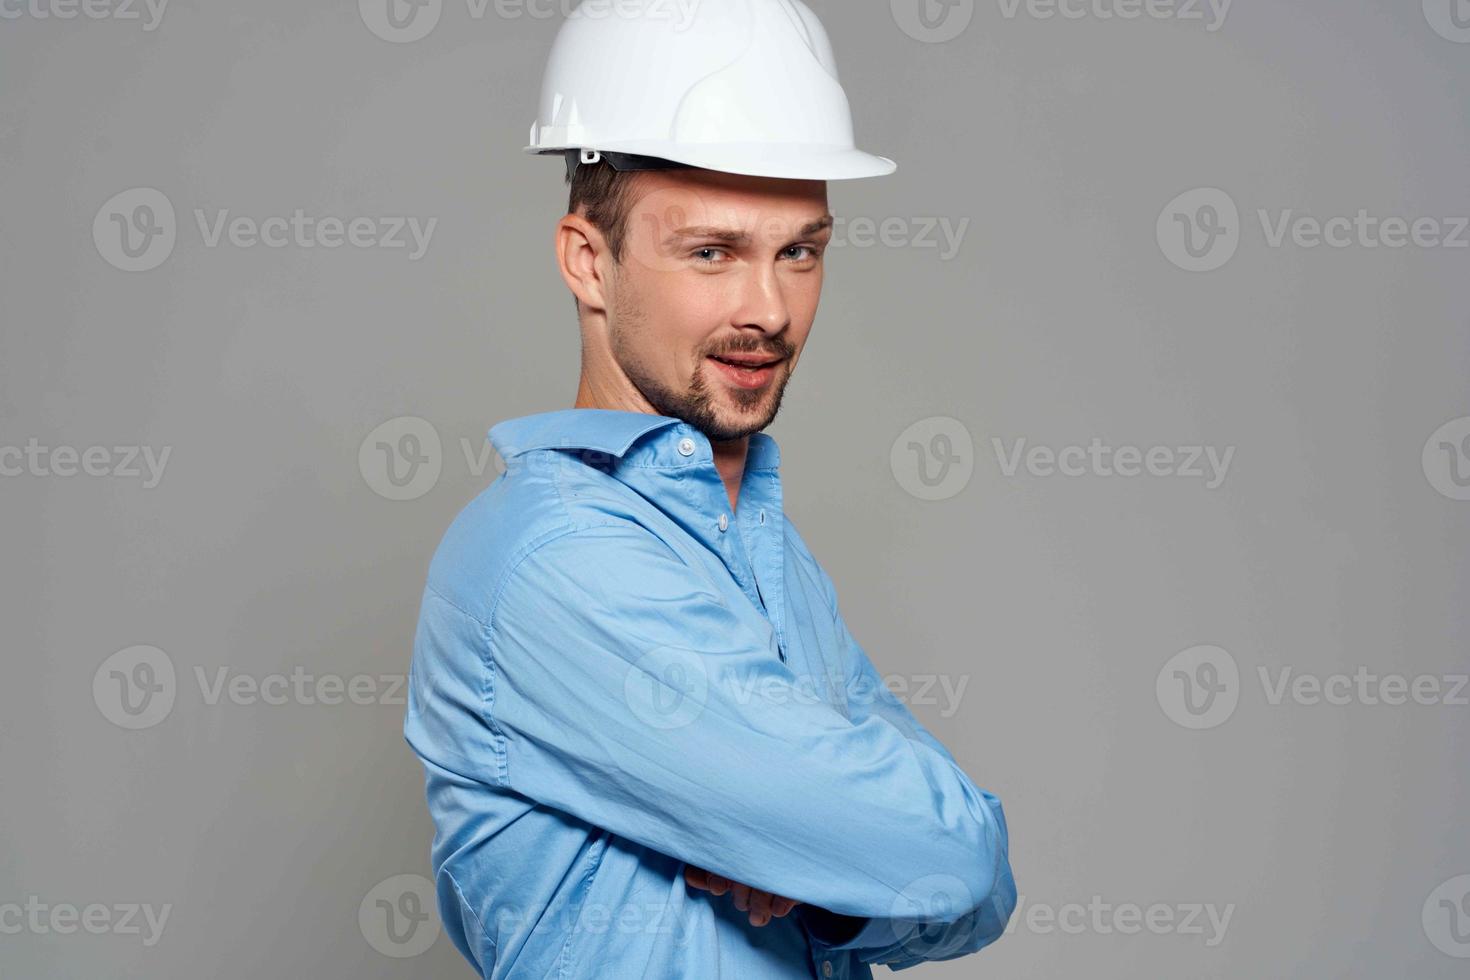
(760, 907)
(741, 894)
(782, 906)
(718, 885)
(696, 877)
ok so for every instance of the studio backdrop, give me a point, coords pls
(1134, 431)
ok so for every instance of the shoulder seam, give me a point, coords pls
(488, 628)
(547, 537)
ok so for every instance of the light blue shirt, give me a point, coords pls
(616, 674)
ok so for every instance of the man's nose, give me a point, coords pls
(763, 301)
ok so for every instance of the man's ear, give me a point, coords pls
(579, 246)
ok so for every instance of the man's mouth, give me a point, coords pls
(751, 361)
(747, 370)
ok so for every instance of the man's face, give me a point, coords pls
(717, 269)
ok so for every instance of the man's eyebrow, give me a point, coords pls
(731, 236)
(816, 226)
(734, 236)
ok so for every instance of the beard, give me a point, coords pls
(750, 410)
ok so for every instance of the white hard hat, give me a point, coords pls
(740, 86)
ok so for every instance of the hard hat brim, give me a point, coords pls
(792, 162)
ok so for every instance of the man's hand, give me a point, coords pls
(760, 905)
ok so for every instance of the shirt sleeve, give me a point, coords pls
(925, 932)
(616, 685)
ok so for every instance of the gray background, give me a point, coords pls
(267, 547)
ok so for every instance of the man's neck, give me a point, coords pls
(729, 455)
(730, 462)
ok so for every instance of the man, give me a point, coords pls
(652, 747)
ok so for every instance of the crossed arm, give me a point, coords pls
(833, 929)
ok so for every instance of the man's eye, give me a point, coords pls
(709, 255)
(800, 253)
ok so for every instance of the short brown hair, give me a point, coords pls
(604, 193)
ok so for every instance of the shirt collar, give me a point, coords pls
(621, 434)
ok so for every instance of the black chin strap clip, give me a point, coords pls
(619, 161)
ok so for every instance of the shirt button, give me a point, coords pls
(724, 522)
(826, 968)
(686, 447)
